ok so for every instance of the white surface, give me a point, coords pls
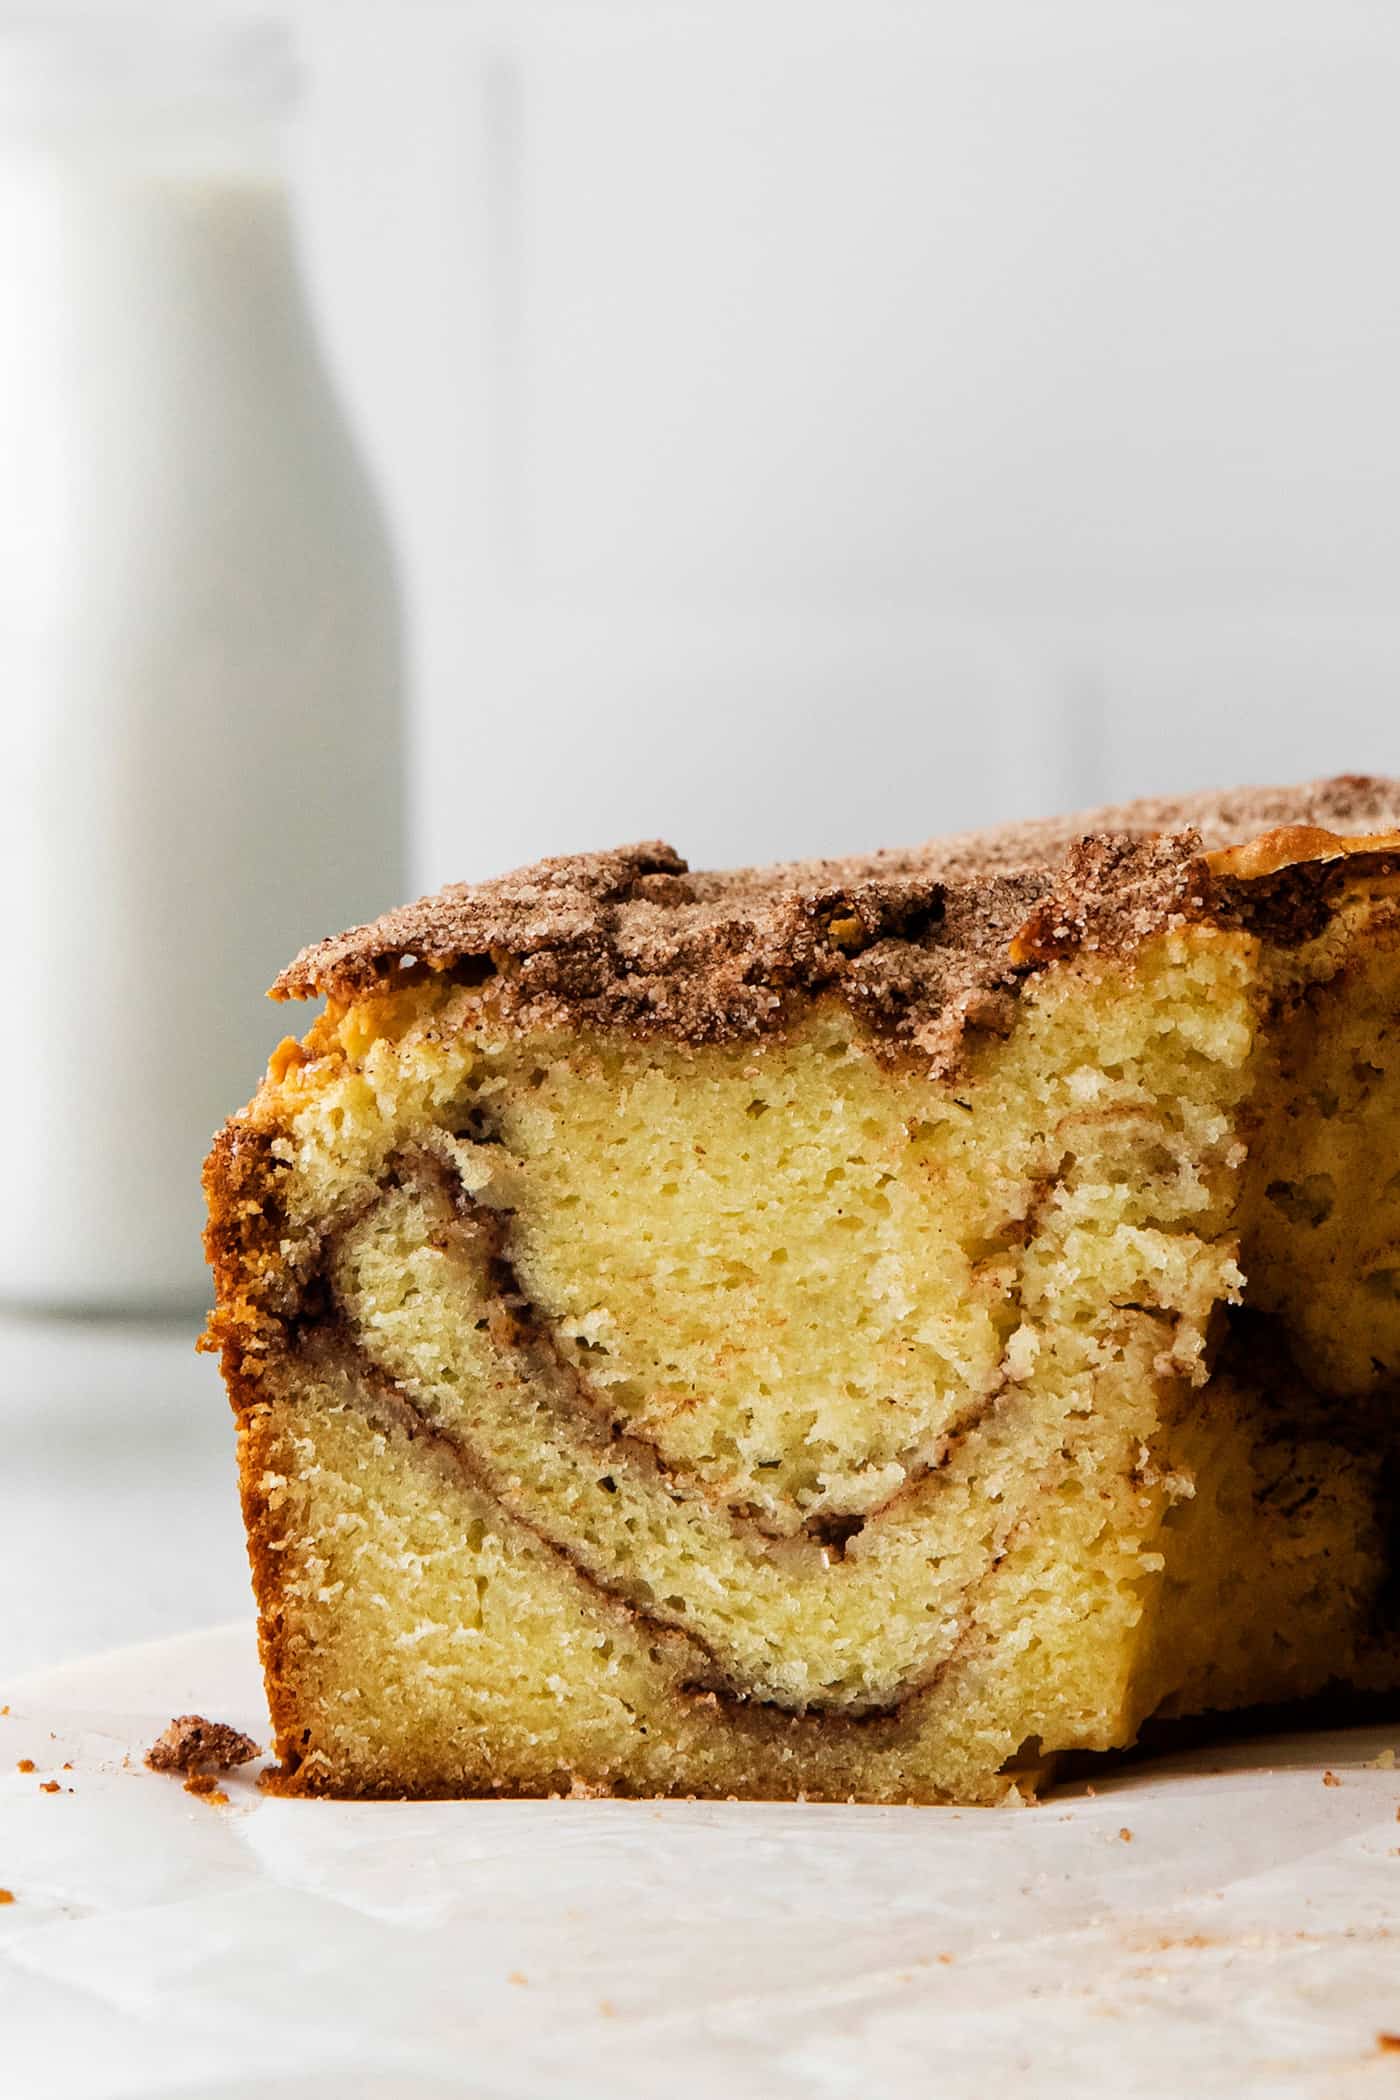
(118, 1503)
(1241, 1942)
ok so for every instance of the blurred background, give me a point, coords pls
(807, 426)
(794, 428)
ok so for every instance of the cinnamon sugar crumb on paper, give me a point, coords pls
(207, 1787)
(26, 1764)
(50, 1786)
(1388, 2044)
(7, 1895)
(1126, 1835)
(1330, 1779)
(193, 1744)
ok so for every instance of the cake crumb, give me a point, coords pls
(1388, 2044)
(207, 1787)
(50, 1786)
(7, 1895)
(516, 1977)
(193, 1744)
(26, 1764)
(1126, 1835)
(1330, 1779)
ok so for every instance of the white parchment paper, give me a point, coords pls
(1226, 1923)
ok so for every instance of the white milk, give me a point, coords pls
(199, 664)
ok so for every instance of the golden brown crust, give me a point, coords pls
(253, 1297)
(1293, 845)
(266, 1566)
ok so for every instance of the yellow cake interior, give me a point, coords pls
(770, 1417)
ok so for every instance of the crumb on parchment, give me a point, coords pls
(193, 1744)
(25, 1764)
(206, 1786)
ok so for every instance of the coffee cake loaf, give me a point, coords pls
(855, 1329)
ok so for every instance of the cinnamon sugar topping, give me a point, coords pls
(924, 943)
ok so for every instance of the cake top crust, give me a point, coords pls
(925, 942)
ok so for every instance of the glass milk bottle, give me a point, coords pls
(199, 647)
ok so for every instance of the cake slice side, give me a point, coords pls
(820, 1405)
